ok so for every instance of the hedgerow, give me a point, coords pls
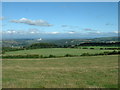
(53, 56)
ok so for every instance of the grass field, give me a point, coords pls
(56, 51)
(67, 72)
(98, 47)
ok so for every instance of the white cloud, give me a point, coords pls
(36, 32)
(95, 32)
(71, 32)
(39, 39)
(116, 32)
(98, 32)
(33, 31)
(29, 31)
(32, 22)
(11, 32)
(52, 32)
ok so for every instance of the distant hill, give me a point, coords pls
(62, 42)
(107, 39)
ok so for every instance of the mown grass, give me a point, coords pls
(68, 72)
(56, 51)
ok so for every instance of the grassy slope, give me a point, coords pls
(79, 72)
(56, 51)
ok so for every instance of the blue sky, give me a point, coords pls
(59, 20)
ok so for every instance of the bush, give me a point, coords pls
(45, 56)
(85, 54)
(106, 53)
(7, 49)
(101, 48)
(91, 48)
(2, 52)
(68, 55)
(21, 56)
(41, 56)
(51, 56)
(84, 48)
(32, 56)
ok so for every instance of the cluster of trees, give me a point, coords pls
(116, 44)
(33, 46)
(28, 56)
(11, 48)
(100, 44)
(42, 45)
(7, 49)
(102, 53)
(51, 45)
(116, 48)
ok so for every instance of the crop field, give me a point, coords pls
(66, 72)
(56, 51)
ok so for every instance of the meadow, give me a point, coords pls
(97, 47)
(66, 72)
(56, 51)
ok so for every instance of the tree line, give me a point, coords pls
(52, 45)
(100, 44)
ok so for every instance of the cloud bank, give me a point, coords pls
(32, 22)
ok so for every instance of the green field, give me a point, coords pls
(56, 51)
(98, 47)
(67, 72)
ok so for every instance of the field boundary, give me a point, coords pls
(27, 56)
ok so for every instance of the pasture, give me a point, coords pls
(66, 72)
(98, 47)
(56, 51)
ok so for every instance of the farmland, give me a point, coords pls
(67, 72)
(35, 66)
(59, 45)
(55, 51)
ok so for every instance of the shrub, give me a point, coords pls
(68, 55)
(2, 52)
(101, 48)
(106, 53)
(84, 48)
(21, 56)
(45, 56)
(91, 48)
(51, 56)
(85, 54)
(32, 56)
(41, 56)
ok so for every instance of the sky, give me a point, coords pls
(59, 19)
